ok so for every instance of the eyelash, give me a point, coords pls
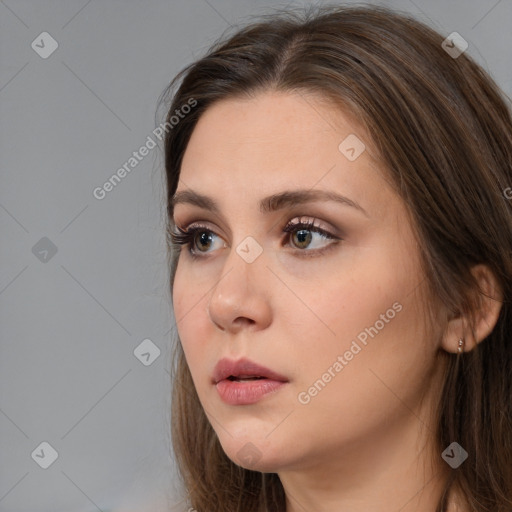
(186, 237)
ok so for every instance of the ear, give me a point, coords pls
(476, 328)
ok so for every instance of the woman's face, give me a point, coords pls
(335, 308)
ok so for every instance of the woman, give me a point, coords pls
(341, 270)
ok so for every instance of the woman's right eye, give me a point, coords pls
(198, 239)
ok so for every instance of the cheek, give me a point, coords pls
(350, 298)
(189, 289)
(189, 304)
(379, 348)
(370, 303)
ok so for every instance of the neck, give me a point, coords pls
(395, 469)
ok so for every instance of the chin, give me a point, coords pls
(254, 453)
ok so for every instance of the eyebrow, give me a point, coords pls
(272, 203)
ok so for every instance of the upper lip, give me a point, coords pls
(243, 368)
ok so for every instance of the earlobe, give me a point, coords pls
(463, 333)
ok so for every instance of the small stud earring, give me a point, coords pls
(460, 348)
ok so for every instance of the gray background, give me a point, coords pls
(70, 322)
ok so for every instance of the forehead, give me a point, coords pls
(274, 121)
(256, 146)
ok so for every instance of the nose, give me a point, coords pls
(241, 297)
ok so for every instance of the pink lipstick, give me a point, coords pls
(245, 382)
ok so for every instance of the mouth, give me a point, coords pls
(243, 378)
(243, 370)
(245, 382)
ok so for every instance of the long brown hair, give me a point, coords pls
(444, 135)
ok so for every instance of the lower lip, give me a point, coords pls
(246, 392)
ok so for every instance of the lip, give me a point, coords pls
(228, 367)
(247, 392)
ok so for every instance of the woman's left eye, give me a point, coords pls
(303, 236)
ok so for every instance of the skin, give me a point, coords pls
(365, 441)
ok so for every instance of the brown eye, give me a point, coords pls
(203, 240)
(197, 239)
(302, 238)
(309, 238)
